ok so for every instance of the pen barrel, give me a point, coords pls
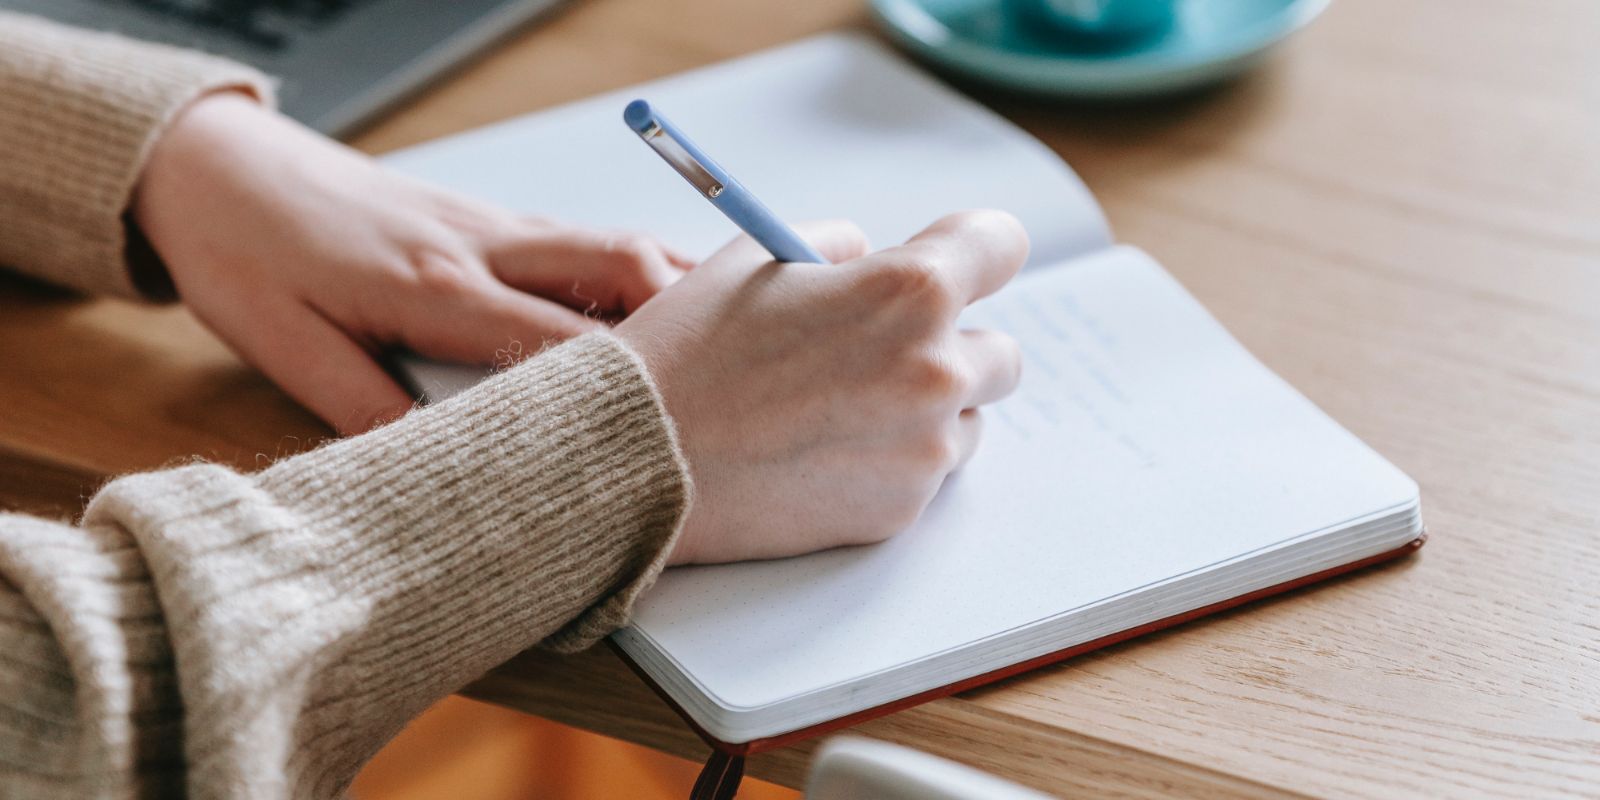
(766, 228)
(716, 185)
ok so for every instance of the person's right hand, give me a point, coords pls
(823, 404)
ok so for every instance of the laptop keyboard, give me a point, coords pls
(269, 24)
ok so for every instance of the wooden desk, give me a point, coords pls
(1401, 216)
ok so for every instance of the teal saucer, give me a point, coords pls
(1208, 41)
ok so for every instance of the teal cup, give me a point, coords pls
(1097, 19)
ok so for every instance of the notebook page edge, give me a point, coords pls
(653, 658)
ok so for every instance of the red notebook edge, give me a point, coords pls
(775, 742)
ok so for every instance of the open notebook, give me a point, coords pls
(1147, 470)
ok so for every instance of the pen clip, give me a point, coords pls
(662, 141)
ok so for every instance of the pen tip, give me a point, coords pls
(638, 116)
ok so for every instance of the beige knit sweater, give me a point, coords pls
(207, 632)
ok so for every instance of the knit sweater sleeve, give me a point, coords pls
(79, 113)
(263, 635)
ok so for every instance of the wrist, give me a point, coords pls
(204, 135)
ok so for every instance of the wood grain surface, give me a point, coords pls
(1400, 214)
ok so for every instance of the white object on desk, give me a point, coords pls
(852, 768)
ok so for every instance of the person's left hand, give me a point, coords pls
(308, 258)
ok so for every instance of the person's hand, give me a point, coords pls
(822, 405)
(308, 259)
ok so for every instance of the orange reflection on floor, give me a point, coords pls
(474, 751)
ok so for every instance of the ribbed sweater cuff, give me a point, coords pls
(356, 584)
(79, 113)
(555, 485)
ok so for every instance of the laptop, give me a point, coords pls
(340, 61)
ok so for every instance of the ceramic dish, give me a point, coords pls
(1208, 41)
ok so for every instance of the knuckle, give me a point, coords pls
(943, 453)
(921, 277)
(918, 278)
(928, 455)
(999, 238)
(632, 252)
(937, 377)
(442, 274)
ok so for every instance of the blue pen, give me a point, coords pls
(718, 186)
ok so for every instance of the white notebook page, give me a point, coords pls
(1144, 443)
(834, 126)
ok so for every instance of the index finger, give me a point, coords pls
(979, 251)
